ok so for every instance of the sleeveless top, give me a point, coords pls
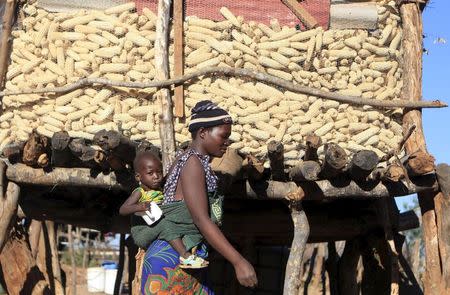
(174, 174)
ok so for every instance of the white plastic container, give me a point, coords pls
(110, 280)
(153, 215)
(96, 279)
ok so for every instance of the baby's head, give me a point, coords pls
(148, 170)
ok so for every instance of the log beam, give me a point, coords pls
(334, 162)
(67, 177)
(275, 151)
(326, 189)
(313, 142)
(314, 190)
(305, 171)
(362, 164)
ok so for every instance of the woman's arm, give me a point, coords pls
(194, 195)
(132, 205)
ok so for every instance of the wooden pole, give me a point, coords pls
(121, 265)
(385, 219)
(178, 22)
(238, 72)
(35, 236)
(86, 249)
(348, 266)
(294, 264)
(303, 15)
(412, 91)
(8, 206)
(72, 261)
(56, 267)
(18, 268)
(442, 205)
(166, 130)
(8, 17)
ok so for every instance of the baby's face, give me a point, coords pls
(150, 173)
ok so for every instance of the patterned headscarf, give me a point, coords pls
(207, 114)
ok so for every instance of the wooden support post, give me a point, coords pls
(132, 251)
(178, 36)
(294, 264)
(34, 235)
(384, 216)
(442, 206)
(348, 265)
(332, 268)
(19, 270)
(166, 130)
(118, 281)
(412, 91)
(376, 276)
(53, 256)
(137, 282)
(408, 283)
(86, 249)
(7, 19)
(72, 261)
(8, 206)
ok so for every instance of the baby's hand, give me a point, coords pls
(145, 206)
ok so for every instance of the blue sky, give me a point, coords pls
(436, 81)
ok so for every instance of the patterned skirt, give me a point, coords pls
(162, 276)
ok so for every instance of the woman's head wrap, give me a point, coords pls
(207, 114)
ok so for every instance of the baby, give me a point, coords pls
(148, 172)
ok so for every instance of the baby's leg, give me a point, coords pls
(178, 245)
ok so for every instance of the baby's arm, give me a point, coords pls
(132, 205)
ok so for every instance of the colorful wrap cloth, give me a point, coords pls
(175, 223)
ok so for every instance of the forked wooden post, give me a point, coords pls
(412, 90)
(294, 264)
(162, 73)
(8, 204)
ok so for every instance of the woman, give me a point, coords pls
(191, 180)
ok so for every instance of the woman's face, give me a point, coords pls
(216, 139)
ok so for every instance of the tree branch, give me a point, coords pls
(257, 76)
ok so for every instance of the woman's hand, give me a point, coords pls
(245, 273)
